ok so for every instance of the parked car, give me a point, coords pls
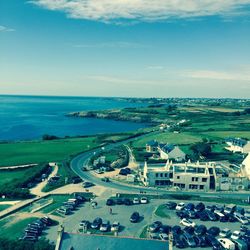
(180, 243)
(63, 210)
(182, 214)
(163, 236)
(189, 206)
(136, 200)
(171, 205)
(144, 200)
(226, 243)
(96, 223)
(180, 206)
(115, 226)
(241, 218)
(200, 241)
(235, 235)
(247, 214)
(110, 202)
(119, 201)
(105, 226)
(199, 207)
(229, 209)
(211, 216)
(187, 223)
(214, 231)
(76, 180)
(127, 202)
(165, 229)
(188, 239)
(189, 230)
(88, 184)
(135, 217)
(105, 179)
(176, 229)
(154, 227)
(154, 236)
(225, 233)
(200, 230)
(84, 224)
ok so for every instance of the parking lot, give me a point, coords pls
(122, 213)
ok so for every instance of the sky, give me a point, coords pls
(132, 48)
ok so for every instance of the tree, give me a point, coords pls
(201, 149)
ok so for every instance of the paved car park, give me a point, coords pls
(122, 213)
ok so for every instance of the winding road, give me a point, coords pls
(82, 160)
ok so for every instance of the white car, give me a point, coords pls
(105, 226)
(180, 206)
(226, 243)
(144, 200)
(187, 223)
(136, 201)
(225, 233)
(235, 235)
(242, 219)
(247, 214)
(115, 226)
(163, 236)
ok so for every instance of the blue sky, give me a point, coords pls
(140, 48)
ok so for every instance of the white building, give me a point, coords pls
(246, 166)
(238, 145)
(185, 176)
(169, 151)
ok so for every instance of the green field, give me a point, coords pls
(43, 151)
(17, 176)
(169, 137)
(13, 230)
(4, 206)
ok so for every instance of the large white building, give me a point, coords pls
(193, 176)
(185, 176)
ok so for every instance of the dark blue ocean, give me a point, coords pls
(30, 117)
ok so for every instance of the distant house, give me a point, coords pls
(170, 151)
(152, 146)
(237, 145)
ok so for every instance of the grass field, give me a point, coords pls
(12, 230)
(169, 137)
(43, 151)
(18, 175)
(4, 206)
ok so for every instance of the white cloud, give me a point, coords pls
(112, 45)
(144, 10)
(237, 75)
(5, 29)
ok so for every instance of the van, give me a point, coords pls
(226, 243)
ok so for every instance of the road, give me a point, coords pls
(82, 160)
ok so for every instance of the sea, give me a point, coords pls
(30, 117)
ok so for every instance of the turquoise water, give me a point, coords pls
(30, 117)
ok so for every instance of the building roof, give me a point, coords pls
(152, 143)
(236, 141)
(101, 242)
(167, 148)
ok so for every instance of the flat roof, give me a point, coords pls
(101, 242)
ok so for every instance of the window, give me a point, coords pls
(178, 177)
(201, 186)
(170, 175)
(161, 175)
(204, 179)
(166, 175)
(156, 175)
(195, 178)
